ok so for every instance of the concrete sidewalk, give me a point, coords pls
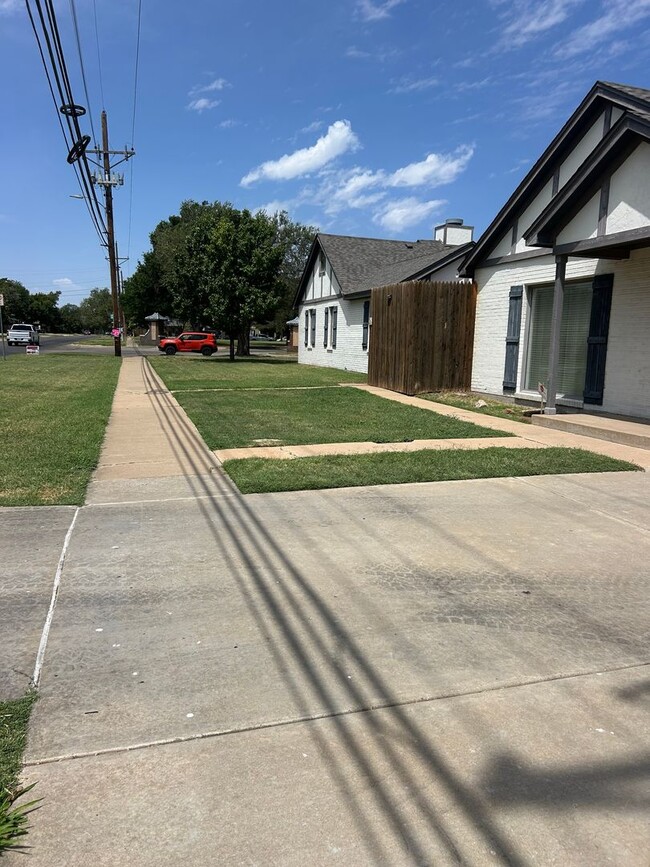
(437, 673)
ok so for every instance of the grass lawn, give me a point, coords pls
(14, 717)
(259, 475)
(55, 412)
(468, 400)
(97, 340)
(234, 419)
(180, 374)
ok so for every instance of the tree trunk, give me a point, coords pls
(232, 346)
(244, 341)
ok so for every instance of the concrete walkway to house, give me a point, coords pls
(527, 436)
(439, 673)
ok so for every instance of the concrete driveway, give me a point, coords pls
(422, 674)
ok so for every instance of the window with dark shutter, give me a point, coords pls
(601, 304)
(325, 328)
(313, 327)
(334, 315)
(512, 338)
(321, 265)
(366, 319)
(306, 327)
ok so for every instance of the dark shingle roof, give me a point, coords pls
(360, 264)
(639, 95)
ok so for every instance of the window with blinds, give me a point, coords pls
(574, 332)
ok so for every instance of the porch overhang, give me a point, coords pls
(614, 246)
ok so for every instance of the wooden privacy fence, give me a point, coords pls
(422, 336)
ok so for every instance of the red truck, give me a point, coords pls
(189, 341)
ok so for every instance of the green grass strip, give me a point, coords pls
(180, 373)
(497, 408)
(55, 410)
(259, 475)
(236, 419)
(14, 717)
(14, 810)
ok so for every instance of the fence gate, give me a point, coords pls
(422, 336)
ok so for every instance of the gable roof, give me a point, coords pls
(610, 153)
(361, 264)
(633, 100)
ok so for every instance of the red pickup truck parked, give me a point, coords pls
(189, 341)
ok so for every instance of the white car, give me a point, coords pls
(22, 334)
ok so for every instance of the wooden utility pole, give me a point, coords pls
(110, 233)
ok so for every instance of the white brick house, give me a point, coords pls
(563, 272)
(334, 293)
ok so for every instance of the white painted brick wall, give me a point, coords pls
(348, 354)
(627, 375)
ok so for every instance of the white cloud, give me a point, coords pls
(202, 104)
(406, 86)
(525, 20)
(217, 84)
(9, 6)
(370, 10)
(229, 123)
(354, 188)
(312, 127)
(402, 213)
(338, 139)
(435, 170)
(618, 15)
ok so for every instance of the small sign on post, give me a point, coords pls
(542, 390)
(33, 349)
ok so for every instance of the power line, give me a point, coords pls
(93, 216)
(99, 56)
(135, 76)
(73, 11)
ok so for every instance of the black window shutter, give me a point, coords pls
(512, 338)
(325, 327)
(313, 328)
(306, 327)
(366, 318)
(601, 304)
(334, 314)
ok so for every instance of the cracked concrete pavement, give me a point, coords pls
(422, 674)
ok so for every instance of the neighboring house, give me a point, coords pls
(563, 272)
(334, 292)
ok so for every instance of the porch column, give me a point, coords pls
(556, 324)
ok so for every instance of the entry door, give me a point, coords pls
(597, 340)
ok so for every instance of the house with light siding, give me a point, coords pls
(563, 271)
(333, 297)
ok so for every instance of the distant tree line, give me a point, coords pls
(42, 308)
(213, 265)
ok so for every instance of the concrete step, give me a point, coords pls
(613, 430)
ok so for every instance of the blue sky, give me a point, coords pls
(368, 117)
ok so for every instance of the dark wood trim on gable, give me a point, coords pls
(610, 153)
(556, 181)
(513, 257)
(615, 246)
(607, 120)
(515, 236)
(603, 207)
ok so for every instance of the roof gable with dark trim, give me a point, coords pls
(632, 100)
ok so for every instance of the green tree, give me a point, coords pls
(70, 319)
(145, 293)
(232, 271)
(44, 310)
(296, 241)
(97, 311)
(16, 298)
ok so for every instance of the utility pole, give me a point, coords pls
(110, 231)
(107, 179)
